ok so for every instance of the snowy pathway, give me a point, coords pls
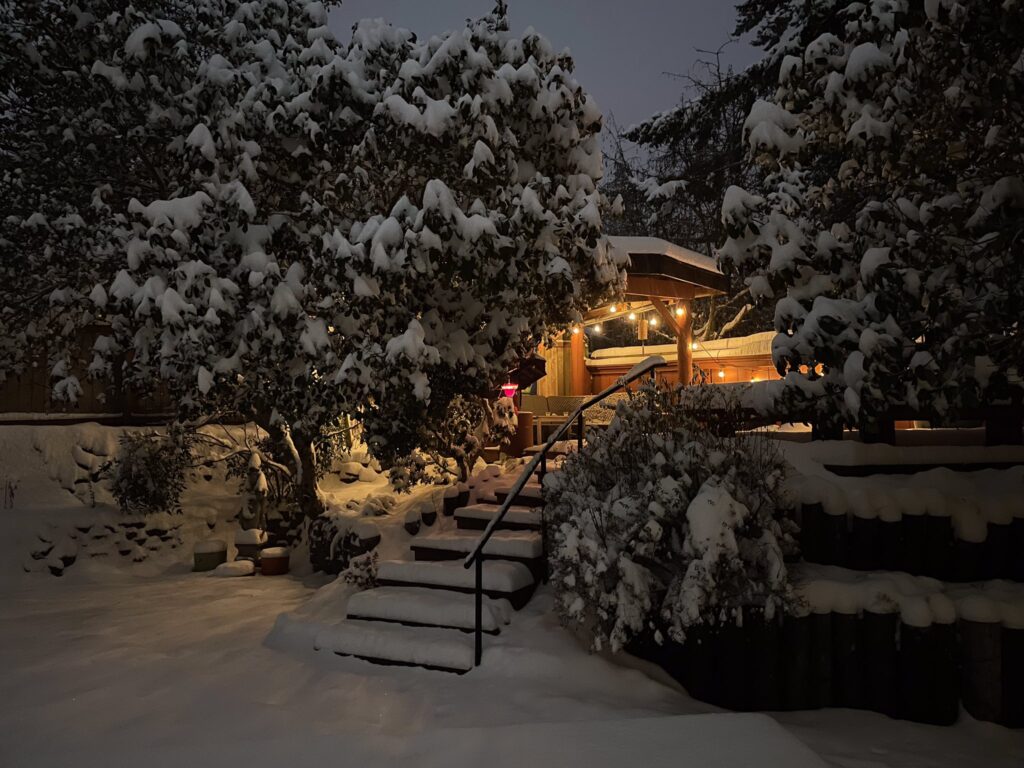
(179, 670)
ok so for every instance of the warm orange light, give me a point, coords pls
(680, 311)
(597, 328)
(632, 315)
(653, 322)
(613, 309)
(694, 346)
(721, 374)
(754, 378)
(575, 329)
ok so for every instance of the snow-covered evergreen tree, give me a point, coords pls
(888, 232)
(261, 219)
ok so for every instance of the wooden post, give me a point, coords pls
(579, 377)
(684, 340)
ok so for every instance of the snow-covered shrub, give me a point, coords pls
(661, 523)
(362, 571)
(149, 474)
(470, 424)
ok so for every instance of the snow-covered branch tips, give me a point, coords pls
(260, 218)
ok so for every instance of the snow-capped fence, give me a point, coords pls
(902, 664)
(916, 531)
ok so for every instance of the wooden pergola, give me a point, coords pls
(663, 277)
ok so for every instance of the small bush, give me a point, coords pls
(661, 523)
(148, 475)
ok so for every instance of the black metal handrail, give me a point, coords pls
(477, 556)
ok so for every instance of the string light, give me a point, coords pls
(575, 329)
(680, 311)
(613, 309)
(597, 328)
(694, 346)
(653, 322)
(632, 315)
(721, 373)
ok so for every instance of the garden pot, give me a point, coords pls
(879, 655)
(274, 561)
(821, 660)
(796, 640)
(846, 680)
(429, 517)
(1013, 676)
(981, 668)
(207, 555)
(249, 543)
(248, 552)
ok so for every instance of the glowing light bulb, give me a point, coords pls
(575, 329)
(632, 315)
(721, 374)
(597, 328)
(694, 346)
(613, 309)
(680, 311)
(653, 322)
(755, 378)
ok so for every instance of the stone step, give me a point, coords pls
(501, 579)
(526, 547)
(530, 495)
(447, 650)
(423, 607)
(517, 518)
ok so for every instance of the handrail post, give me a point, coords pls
(479, 650)
(579, 433)
(543, 465)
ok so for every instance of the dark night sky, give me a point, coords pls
(622, 48)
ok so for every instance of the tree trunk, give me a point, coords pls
(307, 489)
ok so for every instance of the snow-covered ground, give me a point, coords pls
(134, 665)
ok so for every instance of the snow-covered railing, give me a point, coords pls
(476, 556)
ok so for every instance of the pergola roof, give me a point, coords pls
(665, 270)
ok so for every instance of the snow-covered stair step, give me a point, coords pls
(416, 606)
(529, 495)
(524, 547)
(501, 579)
(447, 650)
(517, 518)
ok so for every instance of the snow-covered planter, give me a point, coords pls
(661, 525)
(207, 555)
(274, 561)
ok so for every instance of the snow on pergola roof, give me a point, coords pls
(660, 268)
